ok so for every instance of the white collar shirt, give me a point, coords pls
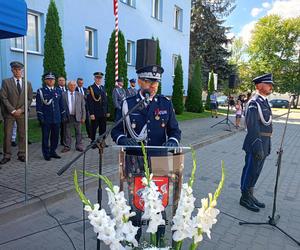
(20, 81)
(70, 104)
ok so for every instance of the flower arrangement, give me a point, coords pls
(117, 230)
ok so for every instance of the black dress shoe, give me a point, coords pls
(247, 202)
(21, 158)
(55, 155)
(29, 142)
(47, 158)
(4, 160)
(255, 201)
(13, 144)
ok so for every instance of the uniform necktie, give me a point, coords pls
(19, 86)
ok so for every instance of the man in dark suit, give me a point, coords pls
(75, 111)
(257, 144)
(62, 86)
(84, 92)
(13, 101)
(50, 112)
(97, 106)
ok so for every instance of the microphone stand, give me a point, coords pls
(99, 142)
(274, 219)
(226, 120)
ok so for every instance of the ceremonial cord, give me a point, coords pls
(48, 213)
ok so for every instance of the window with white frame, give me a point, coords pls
(174, 62)
(90, 41)
(33, 35)
(157, 9)
(130, 52)
(177, 18)
(129, 2)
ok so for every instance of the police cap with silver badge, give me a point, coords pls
(16, 64)
(132, 80)
(49, 75)
(146, 67)
(266, 78)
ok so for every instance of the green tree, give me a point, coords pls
(274, 47)
(54, 58)
(210, 89)
(208, 36)
(110, 68)
(194, 94)
(177, 95)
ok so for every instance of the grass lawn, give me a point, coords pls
(35, 133)
(189, 115)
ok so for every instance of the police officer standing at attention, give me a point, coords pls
(118, 94)
(97, 106)
(50, 112)
(154, 123)
(131, 91)
(257, 144)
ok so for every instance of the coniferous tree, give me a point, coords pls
(208, 36)
(194, 98)
(177, 95)
(110, 69)
(210, 89)
(54, 58)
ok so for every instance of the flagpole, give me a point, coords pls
(116, 13)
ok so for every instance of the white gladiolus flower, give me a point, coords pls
(152, 206)
(182, 223)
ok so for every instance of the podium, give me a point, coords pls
(165, 163)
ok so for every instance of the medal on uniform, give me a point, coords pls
(156, 113)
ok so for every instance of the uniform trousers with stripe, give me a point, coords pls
(251, 172)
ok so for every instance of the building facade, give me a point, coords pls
(86, 30)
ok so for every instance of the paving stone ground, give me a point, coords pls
(43, 180)
(227, 234)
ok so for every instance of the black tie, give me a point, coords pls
(19, 86)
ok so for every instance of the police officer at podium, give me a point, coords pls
(50, 113)
(154, 122)
(257, 144)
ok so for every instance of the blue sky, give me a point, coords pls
(247, 12)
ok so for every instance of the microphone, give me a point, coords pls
(146, 94)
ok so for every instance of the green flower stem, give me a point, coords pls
(178, 245)
(83, 198)
(146, 166)
(153, 239)
(193, 246)
(192, 178)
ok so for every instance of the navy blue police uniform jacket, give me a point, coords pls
(159, 116)
(97, 108)
(49, 105)
(256, 141)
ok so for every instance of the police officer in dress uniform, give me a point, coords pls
(257, 144)
(131, 91)
(154, 123)
(50, 112)
(97, 106)
(118, 94)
